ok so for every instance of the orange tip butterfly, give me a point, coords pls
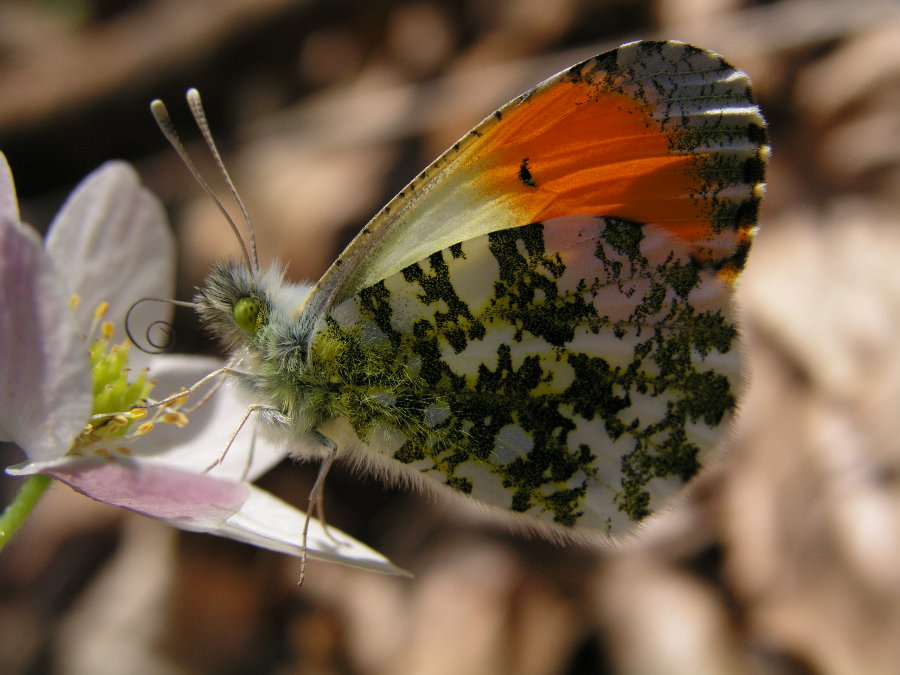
(542, 319)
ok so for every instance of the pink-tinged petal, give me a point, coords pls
(112, 243)
(45, 380)
(9, 205)
(195, 446)
(185, 499)
(201, 503)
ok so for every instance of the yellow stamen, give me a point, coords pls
(176, 418)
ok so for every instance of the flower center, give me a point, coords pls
(117, 391)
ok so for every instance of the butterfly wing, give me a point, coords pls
(542, 319)
(576, 370)
(657, 132)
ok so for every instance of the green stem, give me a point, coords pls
(20, 507)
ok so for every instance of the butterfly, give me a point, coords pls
(542, 319)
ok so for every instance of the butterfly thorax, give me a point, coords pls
(254, 316)
(306, 374)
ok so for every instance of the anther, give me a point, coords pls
(176, 418)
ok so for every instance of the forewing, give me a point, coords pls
(576, 370)
(655, 132)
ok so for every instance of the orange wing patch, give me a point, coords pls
(559, 159)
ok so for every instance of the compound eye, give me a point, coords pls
(247, 314)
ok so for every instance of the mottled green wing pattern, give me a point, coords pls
(575, 370)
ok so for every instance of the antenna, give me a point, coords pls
(164, 122)
(196, 106)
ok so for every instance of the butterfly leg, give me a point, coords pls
(316, 502)
(227, 370)
(208, 395)
(247, 413)
(323, 440)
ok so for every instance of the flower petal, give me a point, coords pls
(202, 503)
(185, 499)
(112, 243)
(45, 380)
(9, 205)
(266, 521)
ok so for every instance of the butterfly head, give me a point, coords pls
(246, 308)
(235, 303)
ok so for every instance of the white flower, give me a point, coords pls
(110, 244)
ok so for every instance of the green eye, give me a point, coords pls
(247, 314)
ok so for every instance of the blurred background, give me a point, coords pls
(782, 558)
